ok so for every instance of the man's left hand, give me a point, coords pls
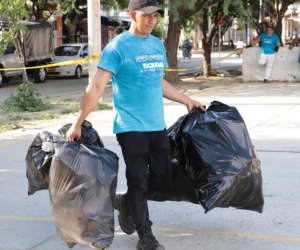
(195, 104)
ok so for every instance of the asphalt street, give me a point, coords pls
(64, 85)
(271, 112)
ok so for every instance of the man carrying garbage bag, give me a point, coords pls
(138, 90)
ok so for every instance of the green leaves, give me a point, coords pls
(12, 11)
(24, 98)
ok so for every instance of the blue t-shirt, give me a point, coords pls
(137, 65)
(268, 43)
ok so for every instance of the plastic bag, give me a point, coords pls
(38, 161)
(41, 151)
(88, 134)
(83, 182)
(215, 150)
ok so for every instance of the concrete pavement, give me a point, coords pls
(271, 112)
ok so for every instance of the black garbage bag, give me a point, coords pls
(179, 188)
(215, 150)
(83, 182)
(38, 161)
(88, 134)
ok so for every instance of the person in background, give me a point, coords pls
(188, 45)
(135, 60)
(295, 40)
(239, 45)
(269, 41)
(295, 32)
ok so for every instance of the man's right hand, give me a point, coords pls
(291, 46)
(73, 133)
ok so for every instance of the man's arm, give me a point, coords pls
(89, 100)
(174, 95)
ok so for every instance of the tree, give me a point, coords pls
(228, 9)
(39, 10)
(13, 11)
(179, 11)
(74, 11)
(276, 11)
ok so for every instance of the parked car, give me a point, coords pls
(68, 52)
(38, 49)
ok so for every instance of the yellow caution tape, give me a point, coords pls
(179, 70)
(51, 65)
(94, 57)
(97, 57)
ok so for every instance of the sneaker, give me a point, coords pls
(266, 81)
(125, 218)
(149, 242)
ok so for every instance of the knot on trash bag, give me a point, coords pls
(88, 134)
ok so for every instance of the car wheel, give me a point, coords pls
(40, 75)
(6, 79)
(78, 72)
(1, 79)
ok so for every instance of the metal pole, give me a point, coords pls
(219, 45)
(235, 36)
(94, 36)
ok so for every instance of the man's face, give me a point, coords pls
(270, 31)
(145, 23)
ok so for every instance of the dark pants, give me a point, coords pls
(148, 159)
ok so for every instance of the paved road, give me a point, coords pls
(271, 112)
(195, 64)
(54, 86)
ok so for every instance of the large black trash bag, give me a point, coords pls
(218, 150)
(83, 182)
(38, 162)
(214, 155)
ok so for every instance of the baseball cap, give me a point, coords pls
(146, 6)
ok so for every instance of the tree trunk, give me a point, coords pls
(278, 28)
(72, 29)
(21, 59)
(196, 32)
(207, 41)
(206, 48)
(172, 49)
(206, 44)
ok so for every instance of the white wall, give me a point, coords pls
(285, 67)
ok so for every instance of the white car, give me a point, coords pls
(67, 52)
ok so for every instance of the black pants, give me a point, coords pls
(148, 159)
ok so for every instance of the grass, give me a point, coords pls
(49, 116)
(8, 126)
(19, 118)
(15, 120)
(74, 107)
(203, 87)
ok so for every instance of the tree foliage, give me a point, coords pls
(73, 10)
(11, 12)
(276, 10)
(39, 10)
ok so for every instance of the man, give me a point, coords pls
(135, 60)
(187, 47)
(269, 41)
(239, 45)
(295, 40)
(295, 32)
